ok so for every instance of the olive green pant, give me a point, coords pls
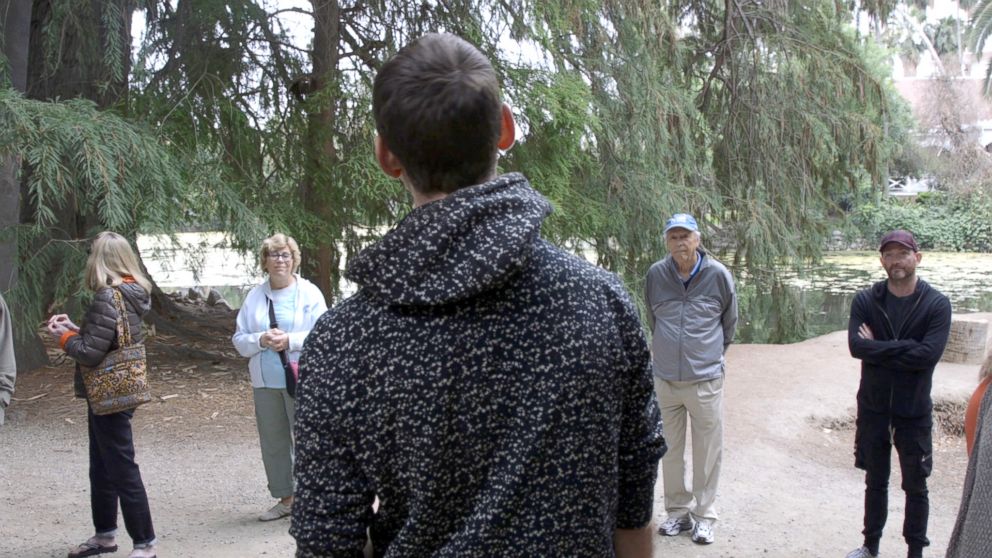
(274, 411)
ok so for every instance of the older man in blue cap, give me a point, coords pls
(692, 307)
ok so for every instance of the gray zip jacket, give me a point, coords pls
(8, 368)
(691, 327)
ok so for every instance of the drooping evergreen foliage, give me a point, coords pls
(757, 116)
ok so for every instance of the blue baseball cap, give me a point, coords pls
(681, 221)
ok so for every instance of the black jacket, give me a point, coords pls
(493, 391)
(98, 331)
(897, 366)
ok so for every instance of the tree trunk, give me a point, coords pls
(318, 188)
(76, 70)
(79, 72)
(80, 68)
(15, 18)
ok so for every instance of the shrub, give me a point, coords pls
(939, 221)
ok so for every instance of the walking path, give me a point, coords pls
(788, 486)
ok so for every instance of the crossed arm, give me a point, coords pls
(903, 353)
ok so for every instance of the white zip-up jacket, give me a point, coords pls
(691, 327)
(253, 321)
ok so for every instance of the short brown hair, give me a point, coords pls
(437, 108)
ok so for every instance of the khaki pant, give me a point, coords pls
(702, 403)
(274, 410)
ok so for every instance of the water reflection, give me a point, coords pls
(790, 306)
(781, 307)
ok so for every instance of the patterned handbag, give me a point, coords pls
(119, 382)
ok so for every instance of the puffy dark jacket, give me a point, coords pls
(897, 366)
(98, 331)
(494, 392)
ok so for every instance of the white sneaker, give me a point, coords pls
(675, 525)
(277, 511)
(862, 552)
(702, 533)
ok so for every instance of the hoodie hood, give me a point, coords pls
(880, 289)
(469, 242)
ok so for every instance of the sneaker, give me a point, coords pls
(675, 525)
(277, 511)
(862, 552)
(143, 552)
(702, 533)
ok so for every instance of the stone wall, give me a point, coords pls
(969, 339)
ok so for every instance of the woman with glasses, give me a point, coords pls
(275, 318)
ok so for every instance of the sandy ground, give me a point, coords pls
(788, 486)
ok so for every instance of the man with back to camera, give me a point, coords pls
(493, 392)
(898, 329)
(692, 311)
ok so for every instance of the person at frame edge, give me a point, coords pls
(898, 329)
(8, 366)
(296, 304)
(493, 391)
(971, 536)
(114, 474)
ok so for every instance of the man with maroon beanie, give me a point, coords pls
(898, 329)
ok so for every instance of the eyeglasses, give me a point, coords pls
(281, 256)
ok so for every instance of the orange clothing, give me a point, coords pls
(65, 337)
(971, 415)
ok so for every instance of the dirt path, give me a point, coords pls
(788, 486)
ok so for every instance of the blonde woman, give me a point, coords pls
(296, 304)
(114, 474)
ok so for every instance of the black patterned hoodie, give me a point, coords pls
(492, 391)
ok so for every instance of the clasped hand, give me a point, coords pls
(275, 339)
(59, 324)
(865, 332)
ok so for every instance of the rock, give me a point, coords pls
(225, 305)
(213, 297)
(193, 293)
(968, 341)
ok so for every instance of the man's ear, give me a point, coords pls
(507, 129)
(387, 161)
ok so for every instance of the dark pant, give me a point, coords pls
(115, 476)
(912, 438)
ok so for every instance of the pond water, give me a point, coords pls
(789, 307)
(200, 260)
(817, 300)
